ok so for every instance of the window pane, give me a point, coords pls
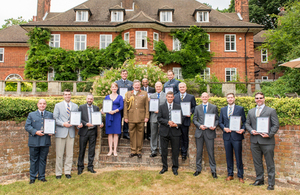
(1, 57)
(77, 38)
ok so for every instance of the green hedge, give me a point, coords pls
(11, 108)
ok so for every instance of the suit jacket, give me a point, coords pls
(150, 89)
(224, 122)
(199, 120)
(187, 98)
(273, 123)
(172, 83)
(139, 107)
(163, 119)
(60, 115)
(33, 124)
(85, 119)
(128, 84)
(162, 100)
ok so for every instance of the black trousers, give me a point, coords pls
(38, 161)
(184, 140)
(148, 133)
(91, 137)
(164, 140)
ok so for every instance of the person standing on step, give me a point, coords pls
(173, 83)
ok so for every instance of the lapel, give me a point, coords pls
(263, 110)
(235, 110)
(38, 114)
(208, 108)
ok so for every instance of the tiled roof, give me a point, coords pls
(13, 34)
(258, 38)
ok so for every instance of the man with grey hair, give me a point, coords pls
(153, 119)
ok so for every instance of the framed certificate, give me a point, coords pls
(107, 106)
(262, 124)
(122, 91)
(96, 118)
(176, 116)
(153, 104)
(49, 126)
(235, 123)
(209, 120)
(168, 89)
(186, 108)
(75, 118)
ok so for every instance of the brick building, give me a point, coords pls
(96, 23)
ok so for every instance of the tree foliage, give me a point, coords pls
(12, 21)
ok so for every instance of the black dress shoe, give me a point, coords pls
(184, 157)
(43, 180)
(32, 181)
(139, 155)
(58, 177)
(153, 155)
(126, 137)
(175, 172)
(197, 173)
(68, 176)
(214, 175)
(80, 171)
(132, 155)
(270, 187)
(92, 170)
(257, 183)
(163, 171)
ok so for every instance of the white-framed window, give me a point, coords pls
(264, 78)
(206, 74)
(208, 44)
(177, 73)
(105, 40)
(155, 39)
(51, 74)
(126, 37)
(141, 39)
(14, 77)
(1, 54)
(202, 16)
(230, 74)
(82, 16)
(79, 42)
(55, 40)
(165, 16)
(230, 42)
(264, 55)
(117, 16)
(176, 44)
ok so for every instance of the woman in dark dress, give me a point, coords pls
(113, 119)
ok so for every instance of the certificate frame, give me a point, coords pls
(176, 114)
(168, 89)
(207, 123)
(47, 129)
(96, 120)
(234, 122)
(261, 121)
(186, 108)
(123, 91)
(107, 108)
(75, 118)
(154, 101)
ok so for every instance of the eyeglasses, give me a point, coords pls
(259, 98)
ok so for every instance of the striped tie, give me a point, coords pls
(68, 109)
(257, 111)
(181, 97)
(170, 108)
(230, 111)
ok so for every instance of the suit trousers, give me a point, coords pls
(91, 137)
(155, 138)
(258, 150)
(147, 134)
(164, 140)
(210, 151)
(125, 127)
(136, 132)
(38, 161)
(62, 144)
(184, 140)
(235, 145)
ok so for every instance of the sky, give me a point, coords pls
(27, 8)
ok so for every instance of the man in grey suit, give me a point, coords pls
(205, 134)
(38, 142)
(146, 87)
(262, 143)
(153, 119)
(65, 134)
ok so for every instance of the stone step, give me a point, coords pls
(121, 142)
(125, 149)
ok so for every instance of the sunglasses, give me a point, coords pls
(259, 98)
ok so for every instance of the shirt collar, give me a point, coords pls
(231, 105)
(261, 107)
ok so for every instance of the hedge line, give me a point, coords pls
(12, 108)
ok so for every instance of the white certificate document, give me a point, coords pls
(122, 91)
(75, 118)
(176, 116)
(96, 118)
(209, 120)
(186, 108)
(153, 104)
(235, 123)
(262, 124)
(107, 106)
(49, 126)
(168, 89)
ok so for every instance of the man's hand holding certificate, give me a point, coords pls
(209, 121)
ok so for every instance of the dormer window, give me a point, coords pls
(82, 15)
(117, 16)
(202, 16)
(166, 14)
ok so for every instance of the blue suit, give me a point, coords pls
(38, 145)
(172, 83)
(233, 140)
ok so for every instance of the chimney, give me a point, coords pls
(127, 4)
(43, 7)
(242, 8)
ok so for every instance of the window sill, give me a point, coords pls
(230, 51)
(141, 48)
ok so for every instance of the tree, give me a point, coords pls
(12, 21)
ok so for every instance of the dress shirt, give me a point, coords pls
(206, 106)
(183, 95)
(135, 92)
(169, 105)
(261, 108)
(146, 89)
(41, 112)
(66, 104)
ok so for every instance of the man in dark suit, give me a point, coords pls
(262, 143)
(88, 133)
(172, 82)
(205, 134)
(38, 142)
(124, 83)
(185, 97)
(169, 131)
(149, 89)
(233, 139)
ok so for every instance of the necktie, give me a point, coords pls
(68, 109)
(90, 114)
(42, 114)
(158, 95)
(204, 110)
(257, 111)
(170, 107)
(230, 111)
(181, 97)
